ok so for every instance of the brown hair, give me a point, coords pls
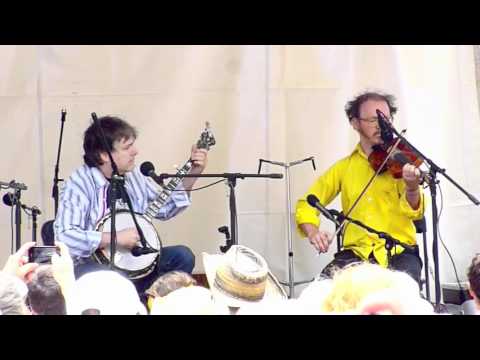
(352, 108)
(169, 282)
(474, 275)
(114, 128)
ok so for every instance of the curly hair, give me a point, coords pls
(115, 129)
(474, 275)
(352, 108)
(169, 282)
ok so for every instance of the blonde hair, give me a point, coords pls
(355, 283)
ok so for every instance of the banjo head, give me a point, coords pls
(134, 266)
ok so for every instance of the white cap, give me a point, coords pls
(190, 300)
(105, 293)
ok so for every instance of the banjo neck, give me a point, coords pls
(155, 206)
(205, 142)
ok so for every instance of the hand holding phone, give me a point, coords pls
(17, 264)
(42, 254)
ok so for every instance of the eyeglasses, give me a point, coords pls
(374, 119)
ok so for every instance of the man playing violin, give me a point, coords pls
(389, 205)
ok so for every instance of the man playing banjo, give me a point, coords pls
(84, 204)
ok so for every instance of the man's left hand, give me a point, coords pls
(411, 176)
(199, 159)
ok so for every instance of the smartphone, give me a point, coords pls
(42, 254)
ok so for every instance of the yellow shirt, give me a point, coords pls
(383, 207)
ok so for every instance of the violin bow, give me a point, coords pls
(389, 155)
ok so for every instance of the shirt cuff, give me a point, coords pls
(180, 197)
(303, 217)
(95, 237)
(407, 209)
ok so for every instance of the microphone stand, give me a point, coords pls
(15, 200)
(18, 218)
(35, 212)
(434, 169)
(390, 241)
(56, 180)
(231, 182)
(291, 282)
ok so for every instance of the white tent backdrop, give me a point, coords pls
(281, 103)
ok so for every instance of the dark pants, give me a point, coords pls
(407, 261)
(173, 258)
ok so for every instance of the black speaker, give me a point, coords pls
(48, 235)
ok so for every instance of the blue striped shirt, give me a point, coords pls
(83, 204)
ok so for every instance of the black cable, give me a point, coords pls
(462, 296)
(203, 187)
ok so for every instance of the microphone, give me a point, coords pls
(314, 202)
(139, 251)
(275, 176)
(385, 127)
(147, 169)
(36, 210)
(10, 200)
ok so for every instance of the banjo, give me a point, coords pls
(137, 267)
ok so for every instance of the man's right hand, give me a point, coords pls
(320, 240)
(127, 238)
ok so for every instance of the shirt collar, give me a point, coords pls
(358, 149)
(100, 180)
(98, 177)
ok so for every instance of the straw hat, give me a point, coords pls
(241, 276)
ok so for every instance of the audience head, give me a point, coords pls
(313, 296)
(474, 279)
(167, 283)
(13, 293)
(192, 300)
(371, 289)
(241, 277)
(44, 294)
(104, 293)
(276, 307)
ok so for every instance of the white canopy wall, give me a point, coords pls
(281, 103)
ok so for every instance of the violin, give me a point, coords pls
(402, 154)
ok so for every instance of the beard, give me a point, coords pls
(373, 138)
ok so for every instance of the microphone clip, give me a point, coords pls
(159, 180)
(139, 251)
(331, 215)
